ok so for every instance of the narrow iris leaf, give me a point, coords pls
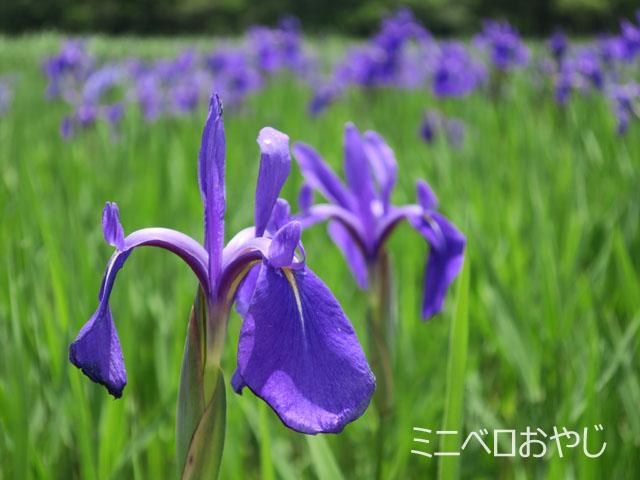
(205, 452)
(190, 394)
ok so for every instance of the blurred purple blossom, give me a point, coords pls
(503, 44)
(435, 123)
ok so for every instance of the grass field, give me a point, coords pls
(549, 201)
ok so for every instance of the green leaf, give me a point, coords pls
(449, 465)
(190, 395)
(205, 452)
(324, 463)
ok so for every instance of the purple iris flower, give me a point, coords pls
(455, 72)
(297, 349)
(558, 44)
(624, 101)
(631, 36)
(6, 93)
(362, 217)
(68, 68)
(504, 45)
(434, 122)
(588, 65)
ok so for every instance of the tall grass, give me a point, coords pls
(550, 200)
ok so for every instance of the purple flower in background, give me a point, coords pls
(6, 93)
(558, 44)
(67, 69)
(429, 125)
(630, 35)
(503, 44)
(321, 381)
(588, 65)
(434, 123)
(362, 217)
(455, 72)
(611, 48)
(624, 98)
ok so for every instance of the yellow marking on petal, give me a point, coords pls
(118, 252)
(294, 286)
(238, 279)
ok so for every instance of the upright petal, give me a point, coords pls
(275, 165)
(280, 216)
(96, 349)
(111, 228)
(300, 354)
(305, 197)
(350, 251)
(383, 163)
(320, 176)
(426, 197)
(211, 168)
(446, 257)
(358, 175)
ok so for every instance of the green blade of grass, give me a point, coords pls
(322, 459)
(449, 465)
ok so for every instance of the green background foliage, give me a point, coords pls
(549, 200)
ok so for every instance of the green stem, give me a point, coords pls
(381, 323)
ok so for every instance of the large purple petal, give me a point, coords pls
(351, 252)
(300, 354)
(275, 165)
(211, 167)
(96, 349)
(446, 257)
(383, 163)
(358, 174)
(320, 176)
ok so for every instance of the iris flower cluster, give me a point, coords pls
(607, 66)
(402, 55)
(297, 349)
(171, 86)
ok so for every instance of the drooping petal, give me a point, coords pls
(320, 176)
(359, 179)
(426, 197)
(275, 165)
(383, 163)
(96, 350)
(284, 245)
(351, 252)
(211, 168)
(300, 354)
(111, 228)
(237, 382)
(446, 257)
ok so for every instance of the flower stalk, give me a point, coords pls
(382, 327)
